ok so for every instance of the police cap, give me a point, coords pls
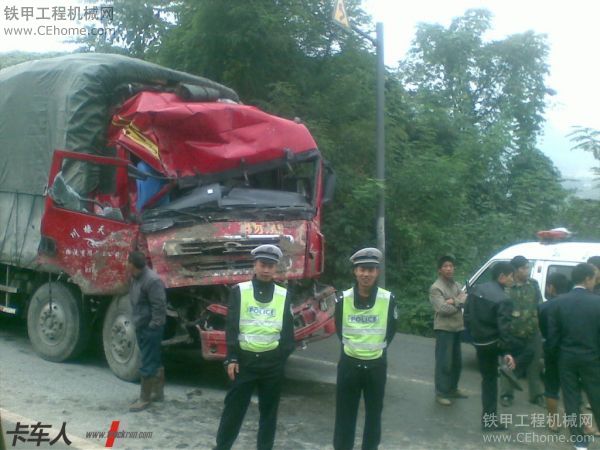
(268, 252)
(367, 256)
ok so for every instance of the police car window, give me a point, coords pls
(565, 270)
(486, 275)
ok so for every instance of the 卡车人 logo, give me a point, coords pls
(37, 433)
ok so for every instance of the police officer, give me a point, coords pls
(365, 319)
(260, 337)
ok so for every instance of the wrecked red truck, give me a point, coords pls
(102, 154)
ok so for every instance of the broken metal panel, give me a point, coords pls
(313, 320)
(93, 254)
(187, 139)
(213, 344)
(219, 253)
(92, 250)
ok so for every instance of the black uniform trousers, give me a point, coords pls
(487, 358)
(578, 372)
(356, 377)
(263, 371)
(551, 376)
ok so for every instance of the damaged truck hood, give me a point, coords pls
(219, 253)
(183, 139)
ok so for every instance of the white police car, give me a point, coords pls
(551, 254)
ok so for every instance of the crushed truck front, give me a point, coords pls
(230, 178)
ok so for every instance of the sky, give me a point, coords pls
(571, 28)
(573, 35)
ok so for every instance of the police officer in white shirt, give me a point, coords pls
(365, 318)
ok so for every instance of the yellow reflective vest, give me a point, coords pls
(364, 330)
(260, 323)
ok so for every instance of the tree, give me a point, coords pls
(138, 28)
(586, 139)
(252, 45)
(487, 84)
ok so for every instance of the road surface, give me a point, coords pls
(88, 399)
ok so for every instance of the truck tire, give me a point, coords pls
(118, 337)
(57, 325)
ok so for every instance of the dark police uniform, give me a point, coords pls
(260, 337)
(366, 327)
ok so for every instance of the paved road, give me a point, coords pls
(88, 398)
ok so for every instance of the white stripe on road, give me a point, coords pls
(333, 364)
(76, 442)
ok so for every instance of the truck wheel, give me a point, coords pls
(118, 336)
(58, 327)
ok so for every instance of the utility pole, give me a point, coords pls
(381, 149)
(340, 18)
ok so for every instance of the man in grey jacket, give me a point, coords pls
(447, 300)
(148, 302)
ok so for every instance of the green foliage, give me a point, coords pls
(139, 28)
(252, 45)
(587, 139)
(583, 216)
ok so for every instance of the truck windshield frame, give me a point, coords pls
(288, 187)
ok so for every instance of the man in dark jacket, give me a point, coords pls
(260, 338)
(556, 284)
(574, 335)
(487, 316)
(149, 310)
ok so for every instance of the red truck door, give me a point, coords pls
(87, 229)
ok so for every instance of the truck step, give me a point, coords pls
(9, 289)
(8, 309)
